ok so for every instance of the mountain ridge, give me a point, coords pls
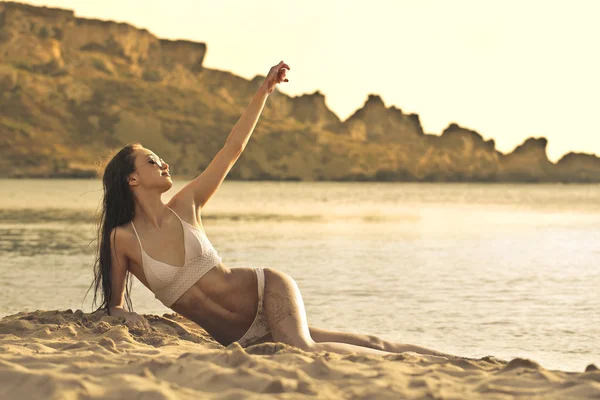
(74, 89)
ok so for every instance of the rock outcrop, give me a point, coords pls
(311, 109)
(578, 167)
(73, 89)
(528, 163)
(374, 122)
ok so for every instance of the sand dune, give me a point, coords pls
(72, 355)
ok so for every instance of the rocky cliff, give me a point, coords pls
(72, 89)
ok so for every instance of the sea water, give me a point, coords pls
(509, 270)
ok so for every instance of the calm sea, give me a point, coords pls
(471, 269)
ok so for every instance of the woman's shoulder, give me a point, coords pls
(123, 230)
(124, 236)
(125, 243)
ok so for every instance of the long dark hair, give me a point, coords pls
(117, 208)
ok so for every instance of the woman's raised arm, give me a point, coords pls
(201, 189)
(241, 132)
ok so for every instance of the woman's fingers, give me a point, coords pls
(137, 322)
(281, 76)
(280, 68)
(282, 65)
(145, 323)
(140, 322)
(136, 325)
(277, 74)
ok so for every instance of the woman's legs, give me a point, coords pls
(286, 317)
(371, 341)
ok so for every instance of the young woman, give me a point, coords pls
(166, 248)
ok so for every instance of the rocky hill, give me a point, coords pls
(72, 89)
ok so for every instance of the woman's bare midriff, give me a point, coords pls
(223, 302)
(235, 293)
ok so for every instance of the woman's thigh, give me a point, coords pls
(284, 310)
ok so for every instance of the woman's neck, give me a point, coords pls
(149, 210)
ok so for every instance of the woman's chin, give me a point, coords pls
(168, 184)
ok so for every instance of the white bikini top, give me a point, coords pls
(168, 282)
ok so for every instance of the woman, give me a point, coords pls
(165, 247)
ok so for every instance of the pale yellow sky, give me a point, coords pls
(508, 69)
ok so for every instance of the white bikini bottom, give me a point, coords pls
(259, 327)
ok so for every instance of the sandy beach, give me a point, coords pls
(74, 355)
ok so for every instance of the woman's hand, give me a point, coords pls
(133, 320)
(276, 75)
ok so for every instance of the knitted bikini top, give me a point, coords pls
(168, 282)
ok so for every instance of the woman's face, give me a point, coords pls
(150, 170)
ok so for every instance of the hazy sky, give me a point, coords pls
(507, 69)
